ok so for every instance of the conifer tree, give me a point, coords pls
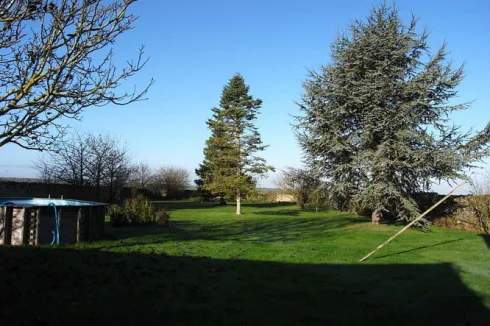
(201, 172)
(229, 155)
(375, 120)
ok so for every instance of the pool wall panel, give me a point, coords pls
(17, 237)
(68, 224)
(2, 225)
(46, 225)
(34, 224)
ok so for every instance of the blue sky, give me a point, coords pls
(196, 46)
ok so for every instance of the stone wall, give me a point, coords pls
(284, 198)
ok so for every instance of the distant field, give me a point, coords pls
(274, 265)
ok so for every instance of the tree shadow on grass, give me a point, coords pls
(65, 286)
(279, 212)
(486, 238)
(178, 205)
(269, 205)
(419, 248)
(255, 230)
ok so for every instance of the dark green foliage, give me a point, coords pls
(230, 164)
(137, 211)
(117, 216)
(202, 192)
(375, 120)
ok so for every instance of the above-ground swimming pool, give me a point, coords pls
(34, 221)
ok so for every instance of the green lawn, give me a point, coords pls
(274, 265)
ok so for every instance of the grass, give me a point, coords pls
(274, 265)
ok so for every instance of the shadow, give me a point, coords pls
(269, 205)
(448, 208)
(486, 238)
(246, 230)
(65, 286)
(178, 205)
(279, 212)
(419, 248)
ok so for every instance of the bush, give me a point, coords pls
(137, 211)
(163, 218)
(304, 185)
(480, 201)
(117, 216)
(196, 199)
(480, 204)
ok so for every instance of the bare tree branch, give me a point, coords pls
(141, 175)
(55, 61)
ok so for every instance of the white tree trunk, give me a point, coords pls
(238, 203)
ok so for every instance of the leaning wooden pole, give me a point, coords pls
(411, 223)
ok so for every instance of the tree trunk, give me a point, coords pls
(238, 203)
(376, 217)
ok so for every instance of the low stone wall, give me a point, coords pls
(283, 198)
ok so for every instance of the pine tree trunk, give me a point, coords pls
(238, 203)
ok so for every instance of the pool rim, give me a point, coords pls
(46, 202)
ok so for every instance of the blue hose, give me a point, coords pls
(56, 233)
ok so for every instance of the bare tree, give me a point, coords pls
(100, 148)
(55, 61)
(116, 170)
(44, 170)
(172, 181)
(100, 161)
(303, 185)
(479, 201)
(141, 176)
(67, 163)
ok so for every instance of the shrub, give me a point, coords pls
(305, 185)
(480, 201)
(256, 197)
(163, 218)
(137, 211)
(480, 204)
(117, 216)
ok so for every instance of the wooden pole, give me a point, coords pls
(411, 223)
